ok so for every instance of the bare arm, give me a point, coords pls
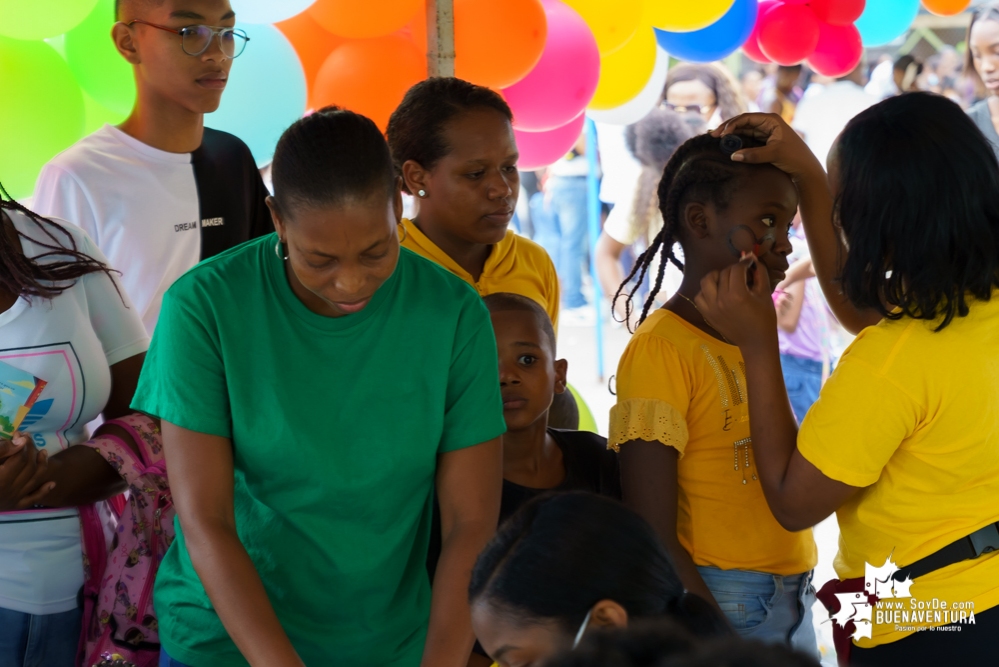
(81, 475)
(649, 487)
(789, 312)
(608, 259)
(798, 494)
(201, 480)
(469, 484)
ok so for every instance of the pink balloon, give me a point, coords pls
(788, 33)
(839, 50)
(540, 149)
(837, 12)
(752, 48)
(564, 80)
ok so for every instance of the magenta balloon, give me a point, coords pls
(540, 149)
(751, 47)
(564, 80)
(787, 34)
(839, 50)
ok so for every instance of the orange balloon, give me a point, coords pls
(364, 18)
(497, 42)
(946, 7)
(370, 76)
(312, 43)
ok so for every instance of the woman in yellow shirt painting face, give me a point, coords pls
(453, 145)
(903, 443)
(682, 419)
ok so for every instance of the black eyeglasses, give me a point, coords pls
(195, 39)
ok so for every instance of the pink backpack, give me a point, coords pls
(118, 615)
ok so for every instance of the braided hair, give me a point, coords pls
(698, 169)
(30, 277)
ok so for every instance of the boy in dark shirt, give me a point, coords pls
(538, 459)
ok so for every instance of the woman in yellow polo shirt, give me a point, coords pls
(453, 145)
(903, 443)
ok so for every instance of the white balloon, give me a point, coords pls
(640, 105)
(268, 11)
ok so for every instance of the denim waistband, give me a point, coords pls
(755, 583)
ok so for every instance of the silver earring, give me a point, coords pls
(422, 193)
(277, 251)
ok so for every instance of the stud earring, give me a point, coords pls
(422, 193)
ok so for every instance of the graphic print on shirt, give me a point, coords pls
(732, 395)
(48, 419)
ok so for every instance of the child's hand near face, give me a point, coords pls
(741, 312)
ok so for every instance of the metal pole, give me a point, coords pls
(593, 222)
(440, 37)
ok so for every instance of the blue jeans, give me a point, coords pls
(803, 379)
(766, 607)
(48, 640)
(167, 661)
(561, 230)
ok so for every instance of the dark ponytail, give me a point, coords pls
(47, 275)
(563, 553)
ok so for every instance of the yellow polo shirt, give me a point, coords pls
(516, 265)
(912, 416)
(681, 387)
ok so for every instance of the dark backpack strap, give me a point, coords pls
(982, 541)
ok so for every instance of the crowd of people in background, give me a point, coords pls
(321, 397)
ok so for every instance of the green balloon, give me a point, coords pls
(97, 115)
(38, 19)
(98, 67)
(586, 420)
(41, 113)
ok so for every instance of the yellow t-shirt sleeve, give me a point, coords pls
(653, 394)
(547, 270)
(858, 423)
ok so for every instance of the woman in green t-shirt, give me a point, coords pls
(314, 387)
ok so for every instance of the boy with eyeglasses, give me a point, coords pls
(160, 192)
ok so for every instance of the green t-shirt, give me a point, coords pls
(336, 424)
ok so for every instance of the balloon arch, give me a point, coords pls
(553, 60)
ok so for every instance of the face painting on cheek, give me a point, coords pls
(742, 240)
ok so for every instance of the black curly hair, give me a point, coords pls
(698, 169)
(47, 275)
(416, 127)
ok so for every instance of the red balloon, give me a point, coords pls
(788, 33)
(839, 51)
(752, 47)
(837, 12)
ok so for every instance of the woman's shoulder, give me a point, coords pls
(424, 277)
(526, 249)
(980, 112)
(240, 265)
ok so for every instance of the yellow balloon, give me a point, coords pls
(612, 23)
(624, 73)
(684, 15)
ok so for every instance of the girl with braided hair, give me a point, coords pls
(64, 322)
(681, 423)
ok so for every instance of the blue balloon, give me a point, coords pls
(884, 21)
(715, 42)
(266, 92)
